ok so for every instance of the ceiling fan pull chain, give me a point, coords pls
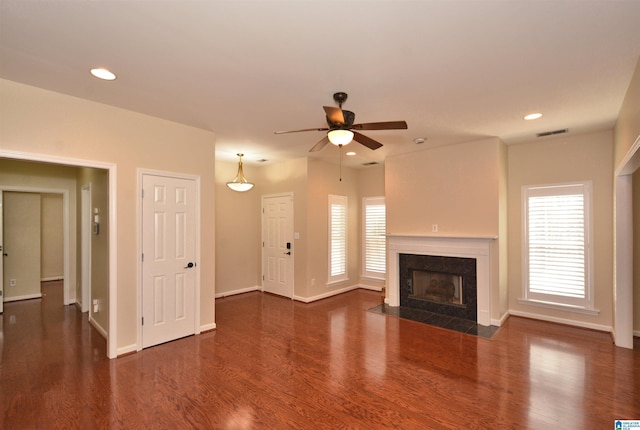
(340, 162)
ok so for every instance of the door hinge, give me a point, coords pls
(0, 293)
(142, 320)
(142, 257)
(142, 190)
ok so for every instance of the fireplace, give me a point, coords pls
(475, 298)
(436, 287)
(440, 284)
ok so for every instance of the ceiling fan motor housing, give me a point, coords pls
(349, 118)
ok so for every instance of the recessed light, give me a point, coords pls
(350, 153)
(103, 74)
(419, 140)
(532, 116)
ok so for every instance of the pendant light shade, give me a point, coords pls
(240, 183)
(340, 137)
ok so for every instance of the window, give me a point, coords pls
(557, 249)
(374, 249)
(337, 238)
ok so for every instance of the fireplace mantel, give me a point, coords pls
(478, 247)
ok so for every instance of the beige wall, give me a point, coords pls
(48, 123)
(560, 160)
(627, 128)
(370, 184)
(324, 179)
(455, 187)
(52, 249)
(237, 231)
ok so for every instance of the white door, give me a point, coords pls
(169, 249)
(277, 245)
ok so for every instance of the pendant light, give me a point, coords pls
(240, 183)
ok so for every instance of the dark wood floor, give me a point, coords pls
(277, 364)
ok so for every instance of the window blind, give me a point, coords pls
(557, 248)
(375, 236)
(337, 238)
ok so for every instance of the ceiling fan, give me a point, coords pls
(341, 129)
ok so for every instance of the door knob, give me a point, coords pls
(288, 253)
(189, 266)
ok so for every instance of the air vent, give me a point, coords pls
(370, 163)
(551, 133)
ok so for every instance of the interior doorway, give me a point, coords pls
(107, 193)
(21, 238)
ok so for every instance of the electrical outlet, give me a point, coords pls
(434, 228)
(12, 282)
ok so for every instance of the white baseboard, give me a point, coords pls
(636, 333)
(598, 327)
(25, 297)
(327, 294)
(52, 278)
(126, 350)
(98, 327)
(239, 291)
(370, 287)
(499, 322)
(207, 327)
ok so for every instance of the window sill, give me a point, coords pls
(559, 307)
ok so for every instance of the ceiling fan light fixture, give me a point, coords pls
(240, 183)
(340, 137)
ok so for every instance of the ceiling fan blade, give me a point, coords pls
(387, 125)
(304, 129)
(334, 114)
(366, 141)
(318, 146)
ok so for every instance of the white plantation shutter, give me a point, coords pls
(337, 238)
(557, 244)
(375, 240)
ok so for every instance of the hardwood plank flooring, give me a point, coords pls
(274, 363)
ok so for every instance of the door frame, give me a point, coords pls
(112, 344)
(65, 229)
(623, 247)
(293, 238)
(85, 247)
(139, 220)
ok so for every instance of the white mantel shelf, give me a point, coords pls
(437, 236)
(478, 247)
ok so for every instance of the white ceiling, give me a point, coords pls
(454, 70)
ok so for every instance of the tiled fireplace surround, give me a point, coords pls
(478, 248)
